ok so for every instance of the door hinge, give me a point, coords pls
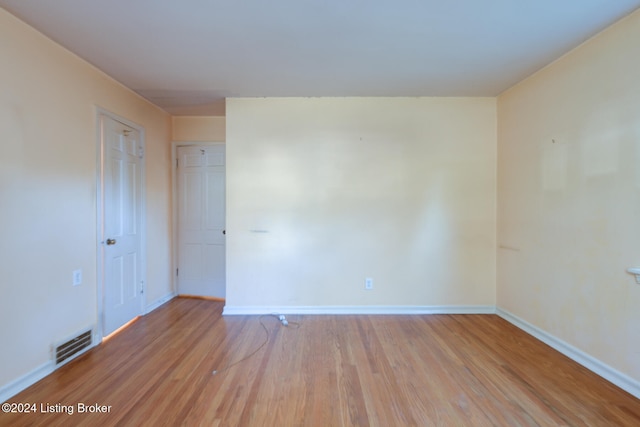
(176, 163)
(177, 271)
(142, 287)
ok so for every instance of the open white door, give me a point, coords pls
(121, 234)
(201, 220)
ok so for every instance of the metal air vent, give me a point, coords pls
(69, 349)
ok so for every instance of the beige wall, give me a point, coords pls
(324, 192)
(569, 198)
(199, 129)
(48, 100)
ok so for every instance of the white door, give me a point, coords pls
(122, 265)
(201, 220)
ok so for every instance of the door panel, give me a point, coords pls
(214, 216)
(201, 221)
(122, 219)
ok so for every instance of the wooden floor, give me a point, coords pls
(445, 370)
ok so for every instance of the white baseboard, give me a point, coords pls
(623, 381)
(360, 309)
(157, 303)
(9, 390)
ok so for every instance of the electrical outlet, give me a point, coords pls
(77, 277)
(368, 283)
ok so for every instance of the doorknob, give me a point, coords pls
(224, 231)
(111, 241)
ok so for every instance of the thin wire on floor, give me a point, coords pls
(281, 320)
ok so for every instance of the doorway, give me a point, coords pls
(200, 212)
(121, 257)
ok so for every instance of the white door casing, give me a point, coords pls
(201, 220)
(121, 245)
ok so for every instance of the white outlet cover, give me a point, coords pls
(368, 283)
(77, 277)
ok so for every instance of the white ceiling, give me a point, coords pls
(188, 55)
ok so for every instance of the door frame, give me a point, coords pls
(174, 202)
(100, 223)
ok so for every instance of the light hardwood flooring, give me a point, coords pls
(430, 370)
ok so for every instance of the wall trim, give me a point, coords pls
(612, 375)
(360, 309)
(20, 384)
(14, 387)
(160, 301)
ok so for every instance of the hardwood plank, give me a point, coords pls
(432, 370)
